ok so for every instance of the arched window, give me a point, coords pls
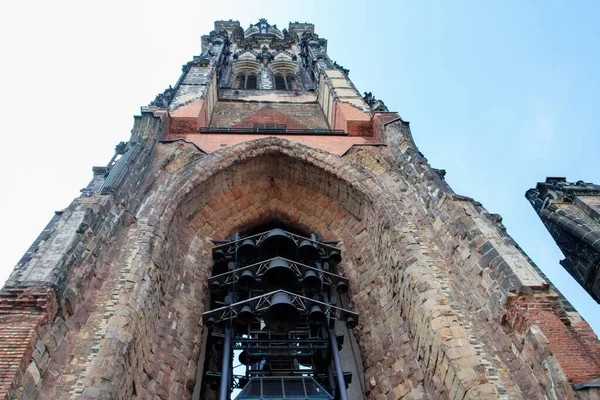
(285, 82)
(244, 81)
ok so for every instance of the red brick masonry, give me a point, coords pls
(22, 312)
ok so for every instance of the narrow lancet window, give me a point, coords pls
(285, 82)
(247, 82)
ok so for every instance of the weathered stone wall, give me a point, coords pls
(56, 285)
(342, 104)
(333, 144)
(63, 265)
(449, 306)
(282, 96)
(245, 115)
(107, 303)
(155, 336)
(489, 274)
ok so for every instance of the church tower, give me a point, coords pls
(270, 233)
(571, 213)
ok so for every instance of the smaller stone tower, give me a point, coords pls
(571, 213)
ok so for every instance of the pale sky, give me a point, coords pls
(499, 94)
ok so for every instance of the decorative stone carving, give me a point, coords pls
(375, 104)
(163, 99)
(264, 56)
(121, 147)
(247, 62)
(341, 68)
(262, 27)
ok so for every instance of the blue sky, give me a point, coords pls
(500, 94)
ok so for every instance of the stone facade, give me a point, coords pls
(247, 115)
(108, 302)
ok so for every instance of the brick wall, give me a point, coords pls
(574, 345)
(25, 314)
(246, 114)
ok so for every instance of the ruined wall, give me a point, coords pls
(271, 192)
(544, 344)
(142, 332)
(107, 303)
(57, 284)
(449, 306)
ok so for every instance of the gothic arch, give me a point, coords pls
(401, 304)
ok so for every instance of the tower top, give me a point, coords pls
(270, 81)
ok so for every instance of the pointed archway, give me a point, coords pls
(192, 198)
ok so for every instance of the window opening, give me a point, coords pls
(247, 82)
(251, 82)
(280, 82)
(285, 82)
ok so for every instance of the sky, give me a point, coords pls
(500, 94)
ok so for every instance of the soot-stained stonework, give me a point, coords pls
(571, 213)
(108, 303)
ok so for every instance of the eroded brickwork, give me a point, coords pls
(577, 355)
(108, 304)
(27, 333)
